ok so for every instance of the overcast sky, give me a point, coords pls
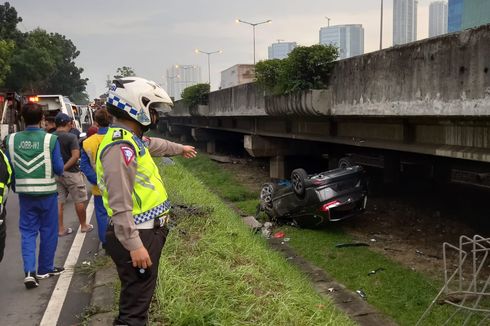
(152, 35)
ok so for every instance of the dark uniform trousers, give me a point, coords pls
(136, 293)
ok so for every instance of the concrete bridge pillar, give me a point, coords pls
(277, 167)
(211, 146)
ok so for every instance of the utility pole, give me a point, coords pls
(381, 28)
(328, 21)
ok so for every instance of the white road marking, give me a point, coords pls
(58, 296)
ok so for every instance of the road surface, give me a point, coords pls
(19, 306)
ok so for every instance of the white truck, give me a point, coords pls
(52, 104)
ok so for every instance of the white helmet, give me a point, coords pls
(137, 96)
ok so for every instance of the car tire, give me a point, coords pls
(298, 181)
(266, 195)
(345, 162)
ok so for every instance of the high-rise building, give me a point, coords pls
(455, 15)
(465, 14)
(179, 77)
(348, 38)
(280, 50)
(437, 18)
(404, 21)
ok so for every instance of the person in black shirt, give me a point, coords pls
(72, 181)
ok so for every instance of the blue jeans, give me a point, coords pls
(102, 218)
(38, 215)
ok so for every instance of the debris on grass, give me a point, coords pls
(227, 159)
(279, 235)
(252, 223)
(362, 294)
(374, 271)
(266, 229)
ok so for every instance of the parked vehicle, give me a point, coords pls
(57, 103)
(314, 200)
(85, 117)
(10, 105)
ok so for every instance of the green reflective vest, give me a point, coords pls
(30, 154)
(149, 195)
(4, 186)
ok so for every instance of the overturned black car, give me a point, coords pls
(314, 200)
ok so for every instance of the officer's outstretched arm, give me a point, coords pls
(162, 147)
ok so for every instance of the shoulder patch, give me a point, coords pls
(128, 154)
(117, 135)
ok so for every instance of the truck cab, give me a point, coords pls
(52, 104)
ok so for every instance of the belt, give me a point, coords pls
(158, 222)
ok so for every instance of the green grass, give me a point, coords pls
(219, 273)
(397, 291)
(221, 181)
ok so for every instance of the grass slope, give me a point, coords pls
(397, 291)
(219, 273)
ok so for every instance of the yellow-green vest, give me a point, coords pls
(150, 198)
(4, 186)
(90, 146)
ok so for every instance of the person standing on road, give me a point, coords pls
(87, 164)
(35, 158)
(133, 193)
(49, 125)
(5, 178)
(72, 181)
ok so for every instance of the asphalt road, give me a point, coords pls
(19, 306)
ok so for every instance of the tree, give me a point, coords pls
(124, 71)
(6, 49)
(8, 23)
(196, 94)
(304, 68)
(45, 64)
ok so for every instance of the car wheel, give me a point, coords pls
(345, 162)
(298, 177)
(266, 195)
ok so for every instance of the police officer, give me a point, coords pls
(35, 157)
(133, 192)
(5, 177)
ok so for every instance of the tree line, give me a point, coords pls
(38, 62)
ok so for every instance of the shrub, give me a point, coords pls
(196, 94)
(304, 68)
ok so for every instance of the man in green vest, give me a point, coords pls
(35, 158)
(133, 192)
(5, 177)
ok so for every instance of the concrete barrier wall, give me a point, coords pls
(242, 100)
(442, 76)
(447, 75)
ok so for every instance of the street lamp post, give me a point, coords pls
(381, 28)
(209, 62)
(253, 27)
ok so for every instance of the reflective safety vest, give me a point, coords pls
(150, 199)
(30, 154)
(90, 146)
(4, 186)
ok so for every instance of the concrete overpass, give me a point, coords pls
(424, 103)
